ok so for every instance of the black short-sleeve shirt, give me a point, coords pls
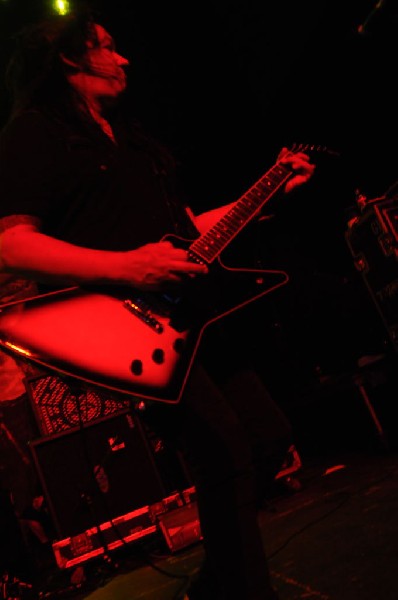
(83, 188)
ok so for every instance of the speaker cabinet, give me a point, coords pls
(58, 408)
(97, 472)
(372, 238)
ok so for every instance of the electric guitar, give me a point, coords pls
(143, 344)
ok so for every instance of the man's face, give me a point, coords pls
(102, 75)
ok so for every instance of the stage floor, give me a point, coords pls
(336, 538)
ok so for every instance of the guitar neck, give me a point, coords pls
(208, 246)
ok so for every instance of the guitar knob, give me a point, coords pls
(158, 356)
(136, 367)
(178, 345)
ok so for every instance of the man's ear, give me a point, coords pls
(69, 62)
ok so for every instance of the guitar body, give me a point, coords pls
(143, 344)
(139, 344)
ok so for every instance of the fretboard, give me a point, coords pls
(208, 246)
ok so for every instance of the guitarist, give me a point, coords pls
(87, 198)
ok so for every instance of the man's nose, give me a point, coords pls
(121, 61)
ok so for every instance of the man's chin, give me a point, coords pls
(110, 100)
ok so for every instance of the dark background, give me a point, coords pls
(226, 84)
(229, 82)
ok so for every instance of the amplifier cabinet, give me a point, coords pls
(372, 238)
(96, 472)
(57, 408)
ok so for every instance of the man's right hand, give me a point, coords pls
(153, 266)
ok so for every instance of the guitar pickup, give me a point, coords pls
(143, 313)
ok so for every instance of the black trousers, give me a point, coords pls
(234, 439)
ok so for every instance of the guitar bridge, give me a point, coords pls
(143, 312)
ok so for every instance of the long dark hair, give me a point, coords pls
(36, 78)
(36, 74)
